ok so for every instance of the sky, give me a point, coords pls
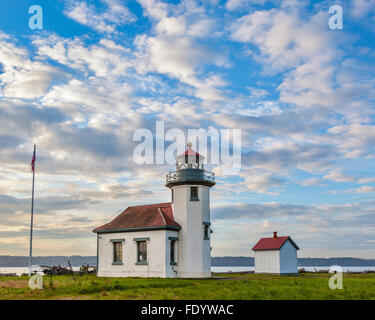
(301, 93)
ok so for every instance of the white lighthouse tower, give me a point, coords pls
(190, 187)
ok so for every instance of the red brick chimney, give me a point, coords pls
(275, 234)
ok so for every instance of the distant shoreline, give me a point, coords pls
(302, 262)
(76, 261)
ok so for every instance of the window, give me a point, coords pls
(172, 195)
(194, 194)
(142, 252)
(173, 252)
(206, 232)
(117, 252)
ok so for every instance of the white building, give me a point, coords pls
(276, 255)
(165, 239)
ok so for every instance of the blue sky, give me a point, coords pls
(301, 93)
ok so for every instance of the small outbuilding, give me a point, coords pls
(277, 255)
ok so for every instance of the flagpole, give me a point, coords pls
(32, 218)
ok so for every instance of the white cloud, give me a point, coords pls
(302, 47)
(181, 58)
(104, 22)
(201, 28)
(182, 112)
(354, 140)
(366, 180)
(232, 5)
(365, 189)
(310, 182)
(155, 9)
(178, 48)
(261, 182)
(338, 176)
(362, 8)
(172, 26)
(105, 59)
(258, 93)
(22, 77)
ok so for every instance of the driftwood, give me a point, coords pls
(87, 269)
(70, 266)
(59, 270)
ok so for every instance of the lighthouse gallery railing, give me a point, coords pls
(192, 174)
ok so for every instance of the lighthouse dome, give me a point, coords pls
(190, 156)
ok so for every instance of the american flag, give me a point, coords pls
(33, 162)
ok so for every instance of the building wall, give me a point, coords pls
(288, 258)
(194, 251)
(157, 255)
(267, 261)
(206, 245)
(283, 261)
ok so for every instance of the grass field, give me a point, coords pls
(232, 286)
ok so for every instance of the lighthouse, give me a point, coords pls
(190, 197)
(169, 240)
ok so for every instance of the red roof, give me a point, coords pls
(273, 243)
(189, 152)
(152, 215)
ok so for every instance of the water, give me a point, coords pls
(231, 269)
(17, 270)
(21, 270)
(311, 269)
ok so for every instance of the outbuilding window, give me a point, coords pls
(117, 250)
(194, 194)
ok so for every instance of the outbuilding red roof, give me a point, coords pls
(274, 243)
(142, 217)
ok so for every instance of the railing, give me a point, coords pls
(190, 175)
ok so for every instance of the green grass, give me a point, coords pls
(234, 286)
